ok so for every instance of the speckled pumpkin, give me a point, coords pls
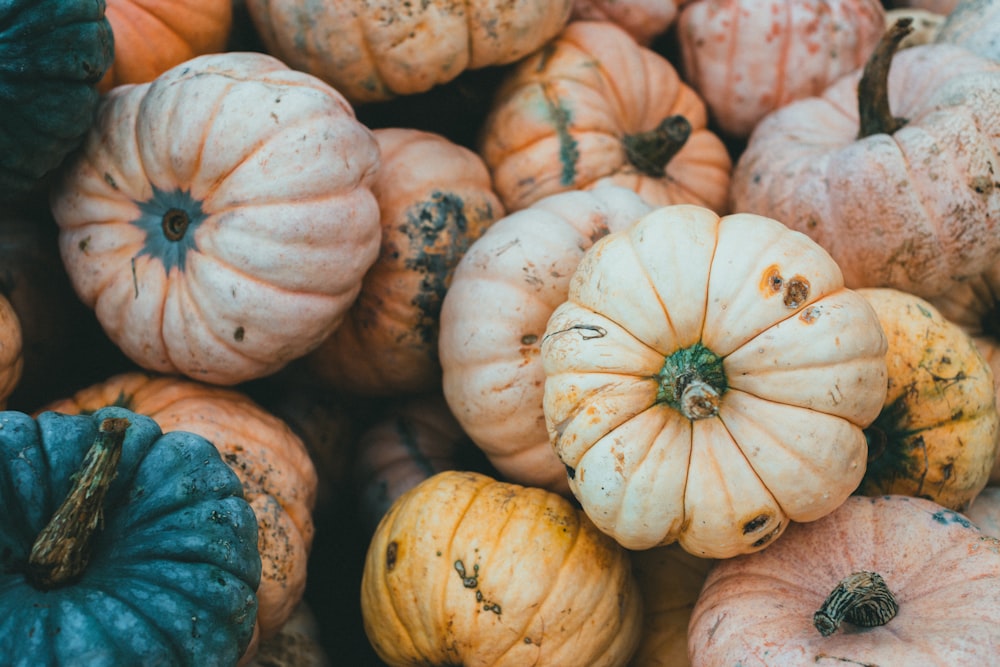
(936, 436)
(11, 359)
(466, 570)
(644, 20)
(974, 25)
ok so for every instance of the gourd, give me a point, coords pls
(974, 25)
(11, 358)
(202, 215)
(708, 380)
(909, 204)
(376, 51)
(493, 316)
(644, 20)
(121, 545)
(465, 569)
(936, 436)
(747, 58)
(278, 477)
(941, 571)
(985, 511)
(592, 106)
(435, 198)
(179, 29)
(54, 52)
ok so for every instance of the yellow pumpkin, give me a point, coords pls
(11, 360)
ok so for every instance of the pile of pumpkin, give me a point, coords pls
(593, 332)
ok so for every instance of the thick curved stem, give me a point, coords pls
(873, 89)
(861, 598)
(650, 152)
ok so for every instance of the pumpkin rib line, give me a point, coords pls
(159, 19)
(751, 467)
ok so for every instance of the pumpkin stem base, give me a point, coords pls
(650, 152)
(861, 598)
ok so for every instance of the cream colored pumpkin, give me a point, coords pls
(708, 380)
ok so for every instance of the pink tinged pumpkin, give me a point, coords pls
(747, 58)
(219, 219)
(493, 318)
(913, 205)
(943, 573)
(708, 380)
(644, 20)
(985, 511)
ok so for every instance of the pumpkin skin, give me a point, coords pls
(435, 198)
(943, 7)
(747, 58)
(707, 381)
(180, 29)
(11, 359)
(278, 477)
(936, 436)
(985, 511)
(584, 109)
(210, 257)
(757, 610)
(468, 570)
(644, 20)
(974, 25)
(493, 316)
(377, 51)
(54, 53)
(172, 570)
(915, 209)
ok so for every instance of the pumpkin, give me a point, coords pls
(121, 545)
(670, 580)
(943, 7)
(468, 570)
(942, 573)
(180, 29)
(644, 20)
(708, 380)
(591, 106)
(376, 51)
(279, 480)
(493, 316)
(435, 198)
(911, 205)
(974, 25)
(747, 58)
(54, 52)
(936, 436)
(985, 511)
(11, 358)
(297, 644)
(205, 210)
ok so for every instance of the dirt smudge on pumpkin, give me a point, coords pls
(390, 555)
(562, 119)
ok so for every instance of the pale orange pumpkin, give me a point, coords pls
(151, 36)
(593, 106)
(944, 574)
(466, 570)
(644, 20)
(493, 318)
(910, 204)
(220, 219)
(375, 51)
(747, 58)
(974, 25)
(11, 359)
(279, 480)
(435, 198)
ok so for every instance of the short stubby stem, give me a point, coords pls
(650, 152)
(692, 381)
(861, 598)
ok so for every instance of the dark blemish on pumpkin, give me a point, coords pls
(544, 55)
(468, 581)
(194, 627)
(796, 292)
(982, 185)
(494, 607)
(238, 334)
(569, 151)
(529, 339)
(924, 311)
(946, 470)
(82, 245)
(771, 282)
(135, 280)
(946, 517)
(767, 538)
(109, 179)
(570, 472)
(810, 315)
(755, 523)
(390, 555)
(595, 331)
(527, 640)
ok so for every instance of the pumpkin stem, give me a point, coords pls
(651, 151)
(692, 380)
(873, 89)
(861, 598)
(61, 551)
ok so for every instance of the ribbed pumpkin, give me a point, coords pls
(376, 51)
(936, 436)
(974, 25)
(435, 199)
(492, 319)
(747, 58)
(593, 105)
(279, 480)
(908, 204)
(11, 359)
(466, 570)
(219, 219)
(644, 20)
(944, 574)
(708, 380)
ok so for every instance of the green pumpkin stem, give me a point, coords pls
(873, 89)
(692, 381)
(861, 598)
(650, 152)
(61, 551)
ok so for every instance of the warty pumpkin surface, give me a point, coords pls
(466, 570)
(593, 105)
(202, 216)
(493, 317)
(707, 381)
(278, 477)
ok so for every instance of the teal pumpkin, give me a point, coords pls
(52, 54)
(171, 569)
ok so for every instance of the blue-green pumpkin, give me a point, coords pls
(169, 574)
(52, 54)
